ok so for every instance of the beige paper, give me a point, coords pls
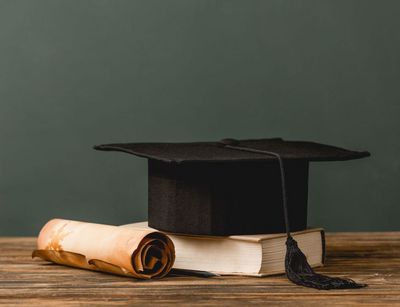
(140, 253)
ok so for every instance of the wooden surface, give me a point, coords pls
(371, 258)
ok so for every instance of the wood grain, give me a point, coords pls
(373, 258)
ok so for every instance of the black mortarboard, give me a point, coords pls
(210, 188)
(236, 187)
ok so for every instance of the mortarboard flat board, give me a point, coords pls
(229, 187)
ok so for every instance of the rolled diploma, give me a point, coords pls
(138, 253)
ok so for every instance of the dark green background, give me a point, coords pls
(78, 73)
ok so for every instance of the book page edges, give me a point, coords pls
(276, 272)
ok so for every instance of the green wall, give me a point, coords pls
(78, 73)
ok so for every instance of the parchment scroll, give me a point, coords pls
(138, 253)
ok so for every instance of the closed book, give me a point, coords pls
(253, 255)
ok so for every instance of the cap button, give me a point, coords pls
(230, 142)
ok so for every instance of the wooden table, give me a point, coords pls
(373, 258)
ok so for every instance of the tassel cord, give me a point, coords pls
(297, 268)
(283, 180)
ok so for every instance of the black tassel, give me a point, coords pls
(296, 266)
(300, 272)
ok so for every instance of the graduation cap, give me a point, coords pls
(236, 187)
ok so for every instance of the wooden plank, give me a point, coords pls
(373, 258)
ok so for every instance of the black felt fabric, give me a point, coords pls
(220, 188)
(215, 152)
(226, 198)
